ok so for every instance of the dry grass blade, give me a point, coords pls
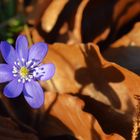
(106, 88)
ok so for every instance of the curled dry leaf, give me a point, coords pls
(72, 120)
(76, 34)
(52, 13)
(102, 89)
(86, 20)
(126, 50)
(106, 88)
(102, 20)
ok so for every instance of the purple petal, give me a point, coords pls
(45, 72)
(38, 52)
(33, 94)
(22, 47)
(13, 89)
(8, 52)
(5, 73)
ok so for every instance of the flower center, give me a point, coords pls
(24, 72)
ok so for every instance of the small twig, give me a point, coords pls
(136, 122)
(27, 32)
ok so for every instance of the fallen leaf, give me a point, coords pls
(126, 50)
(110, 87)
(87, 21)
(72, 120)
(52, 13)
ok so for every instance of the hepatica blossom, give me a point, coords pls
(24, 69)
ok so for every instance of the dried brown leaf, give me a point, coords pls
(52, 13)
(95, 21)
(72, 120)
(125, 51)
(106, 88)
(103, 89)
(78, 22)
(104, 19)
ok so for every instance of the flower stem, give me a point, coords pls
(27, 32)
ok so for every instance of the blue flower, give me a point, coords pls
(24, 69)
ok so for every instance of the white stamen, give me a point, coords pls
(15, 75)
(30, 76)
(22, 59)
(34, 74)
(26, 78)
(36, 68)
(33, 64)
(15, 63)
(19, 80)
(28, 63)
(23, 80)
(21, 77)
(18, 64)
(14, 71)
(14, 67)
